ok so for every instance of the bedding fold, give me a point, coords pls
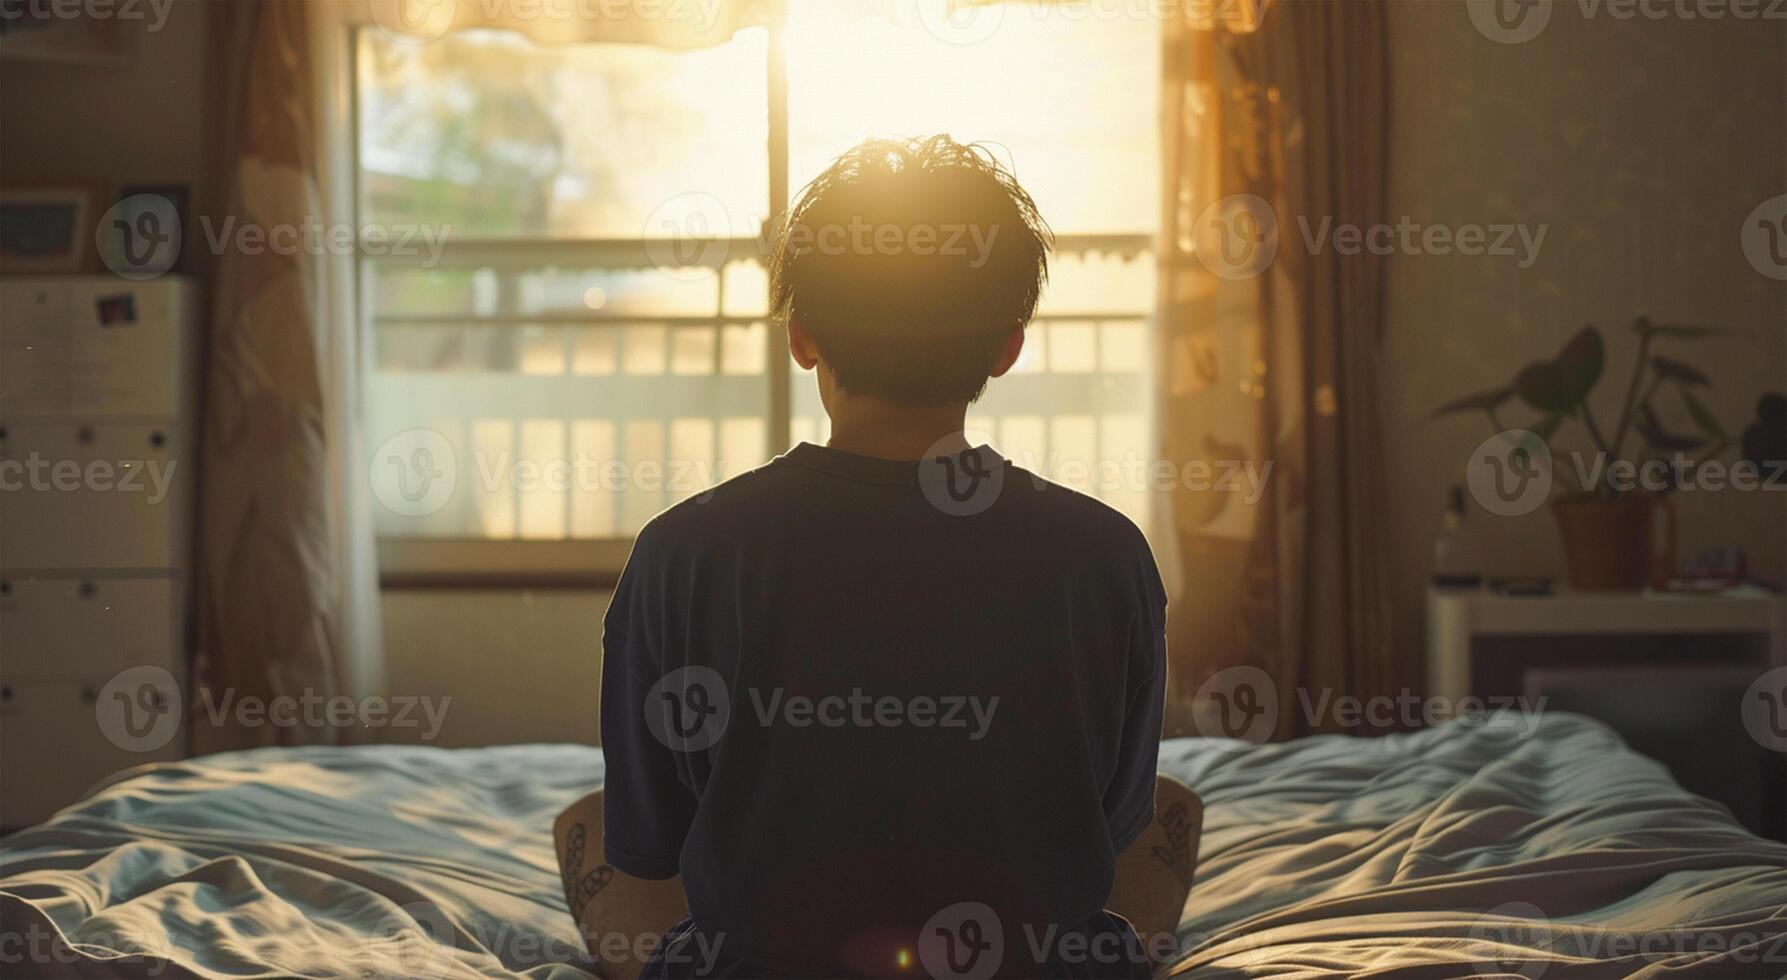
(1476, 848)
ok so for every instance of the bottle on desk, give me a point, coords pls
(1457, 564)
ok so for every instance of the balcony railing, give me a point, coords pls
(633, 387)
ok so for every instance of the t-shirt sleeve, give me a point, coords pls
(1129, 797)
(647, 807)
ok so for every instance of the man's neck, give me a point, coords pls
(887, 430)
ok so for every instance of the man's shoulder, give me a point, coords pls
(719, 506)
(1070, 526)
(1083, 532)
(1073, 512)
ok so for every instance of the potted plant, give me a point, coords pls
(1610, 532)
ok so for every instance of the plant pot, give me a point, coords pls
(1613, 545)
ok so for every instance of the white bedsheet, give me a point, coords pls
(1458, 851)
(1464, 851)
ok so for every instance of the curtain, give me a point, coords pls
(1274, 129)
(286, 577)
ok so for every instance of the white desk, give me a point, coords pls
(1458, 620)
(1668, 672)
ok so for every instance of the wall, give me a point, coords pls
(144, 121)
(1643, 144)
(520, 666)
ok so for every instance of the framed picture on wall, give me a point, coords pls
(49, 227)
(42, 32)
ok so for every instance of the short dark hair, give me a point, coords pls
(908, 262)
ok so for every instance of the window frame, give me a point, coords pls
(416, 562)
(592, 563)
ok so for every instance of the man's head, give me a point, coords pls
(909, 269)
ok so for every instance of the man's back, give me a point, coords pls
(856, 702)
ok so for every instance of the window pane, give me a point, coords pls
(563, 454)
(566, 393)
(492, 291)
(692, 350)
(1069, 101)
(1072, 347)
(742, 348)
(558, 425)
(1091, 279)
(592, 351)
(495, 136)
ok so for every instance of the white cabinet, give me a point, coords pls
(97, 432)
(96, 346)
(85, 627)
(56, 748)
(92, 493)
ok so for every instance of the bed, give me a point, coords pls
(1502, 848)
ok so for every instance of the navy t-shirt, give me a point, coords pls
(853, 701)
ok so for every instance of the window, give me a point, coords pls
(581, 356)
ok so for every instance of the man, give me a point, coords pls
(891, 706)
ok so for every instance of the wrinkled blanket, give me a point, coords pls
(1498, 849)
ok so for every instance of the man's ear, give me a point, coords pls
(805, 352)
(1014, 345)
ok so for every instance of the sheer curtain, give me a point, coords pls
(1274, 122)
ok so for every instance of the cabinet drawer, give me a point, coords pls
(33, 351)
(91, 627)
(98, 346)
(80, 495)
(57, 749)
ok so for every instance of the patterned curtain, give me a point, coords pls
(287, 575)
(1274, 123)
(287, 586)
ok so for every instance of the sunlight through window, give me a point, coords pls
(582, 389)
